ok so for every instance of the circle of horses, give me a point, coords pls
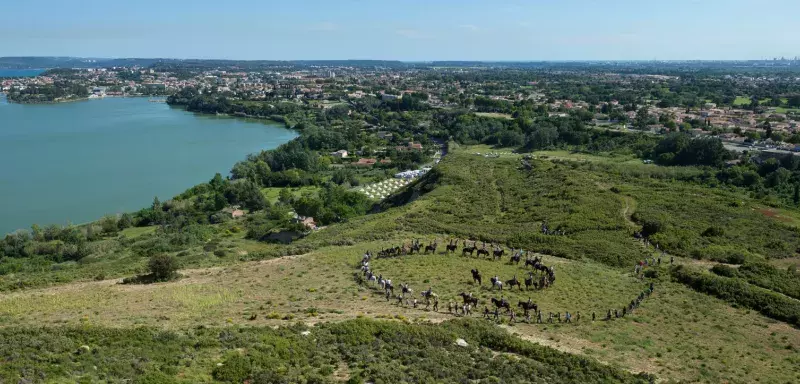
(546, 277)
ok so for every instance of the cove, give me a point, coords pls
(75, 162)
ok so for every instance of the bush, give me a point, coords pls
(651, 274)
(724, 270)
(723, 254)
(220, 253)
(714, 231)
(162, 267)
(738, 292)
(155, 378)
(235, 369)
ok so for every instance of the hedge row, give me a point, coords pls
(741, 293)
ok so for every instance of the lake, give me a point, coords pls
(20, 72)
(76, 162)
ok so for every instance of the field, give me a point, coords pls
(222, 306)
(272, 193)
(741, 100)
(495, 115)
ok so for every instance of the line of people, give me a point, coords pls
(387, 287)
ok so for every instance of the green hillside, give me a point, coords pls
(215, 323)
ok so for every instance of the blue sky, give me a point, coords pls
(403, 30)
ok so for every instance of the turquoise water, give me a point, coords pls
(75, 162)
(20, 72)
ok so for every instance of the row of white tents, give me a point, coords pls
(385, 188)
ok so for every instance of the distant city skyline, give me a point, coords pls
(413, 30)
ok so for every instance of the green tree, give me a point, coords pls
(109, 225)
(125, 221)
(285, 196)
(163, 267)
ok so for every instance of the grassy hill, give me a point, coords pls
(216, 322)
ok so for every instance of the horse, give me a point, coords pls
(501, 303)
(529, 281)
(483, 251)
(498, 253)
(511, 283)
(476, 276)
(468, 298)
(451, 248)
(431, 247)
(428, 295)
(496, 282)
(468, 249)
(414, 247)
(527, 306)
(515, 259)
(405, 289)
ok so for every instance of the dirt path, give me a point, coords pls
(627, 211)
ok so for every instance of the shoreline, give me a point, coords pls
(77, 99)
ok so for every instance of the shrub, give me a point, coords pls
(723, 254)
(235, 369)
(155, 378)
(162, 267)
(714, 231)
(736, 291)
(724, 270)
(651, 273)
(220, 253)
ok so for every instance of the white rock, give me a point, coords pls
(305, 333)
(461, 342)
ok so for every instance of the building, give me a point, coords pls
(411, 146)
(237, 213)
(307, 222)
(365, 162)
(388, 97)
(384, 135)
(342, 154)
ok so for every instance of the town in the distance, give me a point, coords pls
(747, 104)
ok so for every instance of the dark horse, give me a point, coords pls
(431, 247)
(468, 249)
(451, 248)
(468, 299)
(414, 247)
(511, 283)
(531, 262)
(526, 306)
(476, 276)
(529, 281)
(515, 259)
(501, 303)
(499, 252)
(483, 251)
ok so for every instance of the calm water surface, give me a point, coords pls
(20, 72)
(75, 162)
